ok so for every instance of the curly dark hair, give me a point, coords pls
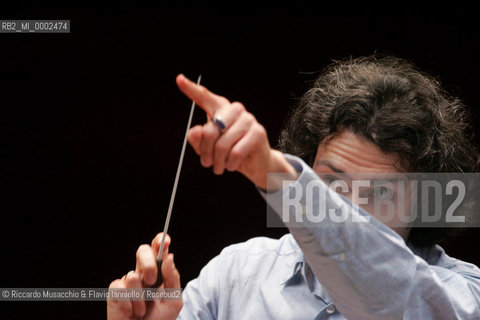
(392, 104)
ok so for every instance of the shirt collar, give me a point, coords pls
(302, 273)
(298, 262)
(431, 254)
(297, 274)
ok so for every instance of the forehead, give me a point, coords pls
(352, 153)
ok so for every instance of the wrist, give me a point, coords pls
(277, 164)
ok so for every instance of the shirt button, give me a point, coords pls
(331, 309)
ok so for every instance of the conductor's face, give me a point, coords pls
(350, 157)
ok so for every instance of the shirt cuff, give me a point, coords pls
(297, 163)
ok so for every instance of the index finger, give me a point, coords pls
(207, 100)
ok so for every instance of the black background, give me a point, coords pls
(92, 125)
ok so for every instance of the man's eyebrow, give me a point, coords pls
(328, 164)
(332, 167)
(392, 178)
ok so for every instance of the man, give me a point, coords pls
(367, 115)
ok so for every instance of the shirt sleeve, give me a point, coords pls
(200, 296)
(366, 268)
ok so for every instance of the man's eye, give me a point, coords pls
(382, 193)
(329, 179)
